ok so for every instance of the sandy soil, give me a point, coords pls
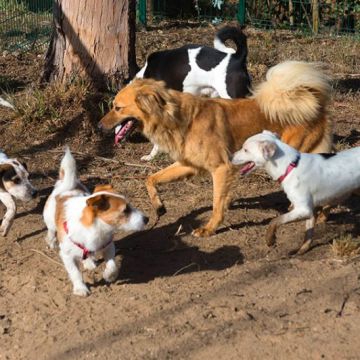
(177, 297)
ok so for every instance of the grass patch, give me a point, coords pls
(346, 246)
(50, 106)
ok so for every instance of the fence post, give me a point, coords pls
(241, 12)
(142, 12)
(315, 16)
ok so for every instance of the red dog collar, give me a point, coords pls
(289, 169)
(86, 251)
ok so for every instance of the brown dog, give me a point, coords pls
(201, 134)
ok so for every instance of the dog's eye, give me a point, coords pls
(16, 180)
(117, 108)
(245, 150)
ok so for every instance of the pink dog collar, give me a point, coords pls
(86, 251)
(289, 169)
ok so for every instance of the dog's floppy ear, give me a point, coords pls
(4, 168)
(150, 100)
(98, 203)
(94, 204)
(268, 149)
(106, 187)
(267, 132)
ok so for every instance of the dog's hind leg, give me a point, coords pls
(173, 172)
(309, 225)
(222, 180)
(296, 214)
(10, 205)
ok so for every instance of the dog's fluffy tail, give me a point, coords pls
(237, 36)
(293, 93)
(67, 174)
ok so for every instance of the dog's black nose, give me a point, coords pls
(34, 193)
(146, 219)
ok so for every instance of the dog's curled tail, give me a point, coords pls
(237, 36)
(294, 93)
(67, 173)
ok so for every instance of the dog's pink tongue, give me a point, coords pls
(122, 132)
(245, 169)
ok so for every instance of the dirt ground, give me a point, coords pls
(180, 297)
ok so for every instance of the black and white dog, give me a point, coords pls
(201, 70)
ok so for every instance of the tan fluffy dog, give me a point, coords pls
(201, 133)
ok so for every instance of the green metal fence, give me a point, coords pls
(324, 16)
(25, 24)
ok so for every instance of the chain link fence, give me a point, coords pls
(25, 24)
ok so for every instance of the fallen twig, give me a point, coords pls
(46, 256)
(106, 159)
(185, 267)
(346, 298)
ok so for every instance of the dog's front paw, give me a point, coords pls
(147, 157)
(89, 264)
(202, 232)
(4, 230)
(81, 290)
(110, 274)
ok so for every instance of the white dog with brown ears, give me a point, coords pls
(84, 223)
(310, 181)
(14, 184)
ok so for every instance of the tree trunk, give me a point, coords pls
(315, 16)
(93, 39)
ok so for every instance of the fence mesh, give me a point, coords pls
(324, 16)
(25, 24)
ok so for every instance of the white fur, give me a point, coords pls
(23, 191)
(316, 181)
(96, 238)
(6, 103)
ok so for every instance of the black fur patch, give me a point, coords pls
(327, 155)
(208, 58)
(171, 66)
(237, 78)
(8, 174)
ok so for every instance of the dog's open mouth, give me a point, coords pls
(247, 168)
(123, 130)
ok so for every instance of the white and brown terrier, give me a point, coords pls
(84, 223)
(14, 184)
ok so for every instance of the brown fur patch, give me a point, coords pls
(110, 209)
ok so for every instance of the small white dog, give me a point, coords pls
(14, 184)
(310, 181)
(84, 223)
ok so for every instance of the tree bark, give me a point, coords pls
(315, 16)
(93, 39)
